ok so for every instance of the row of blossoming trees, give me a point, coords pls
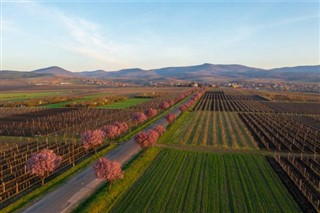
(46, 161)
(111, 170)
(94, 138)
(42, 160)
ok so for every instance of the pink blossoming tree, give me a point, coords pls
(146, 139)
(153, 137)
(171, 117)
(111, 131)
(164, 105)
(142, 139)
(122, 127)
(160, 129)
(139, 117)
(183, 107)
(150, 112)
(171, 102)
(108, 170)
(42, 163)
(92, 139)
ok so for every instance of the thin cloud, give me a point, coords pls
(289, 21)
(7, 25)
(246, 31)
(86, 37)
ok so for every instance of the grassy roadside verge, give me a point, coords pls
(51, 185)
(105, 198)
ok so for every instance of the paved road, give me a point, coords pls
(67, 196)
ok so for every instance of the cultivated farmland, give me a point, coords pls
(71, 121)
(282, 133)
(305, 174)
(250, 150)
(206, 128)
(201, 182)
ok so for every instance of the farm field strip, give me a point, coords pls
(281, 132)
(305, 173)
(14, 175)
(84, 98)
(219, 101)
(126, 103)
(295, 107)
(218, 129)
(190, 130)
(196, 131)
(9, 111)
(203, 182)
(312, 121)
(73, 120)
(24, 96)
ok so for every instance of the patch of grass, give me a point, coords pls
(107, 196)
(186, 181)
(126, 103)
(19, 96)
(51, 185)
(62, 104)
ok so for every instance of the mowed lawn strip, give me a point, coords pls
(207, 182)
(126, 103)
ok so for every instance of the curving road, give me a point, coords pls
(67, 196)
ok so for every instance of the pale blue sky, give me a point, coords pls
(111, 35)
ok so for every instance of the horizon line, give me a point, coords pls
(175, 66)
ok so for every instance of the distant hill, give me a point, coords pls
(8, 74)
(55, 70)
(205, 70)
(196, 72)
(93, 74)
(201, 72)
(299, 73)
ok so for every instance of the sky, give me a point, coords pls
(114, 35)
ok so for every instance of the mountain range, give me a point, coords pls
(203, 72)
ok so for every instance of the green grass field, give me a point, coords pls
(24, 96)
(126, 103)
(217, 129)
(62, 104)
(181, 181)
